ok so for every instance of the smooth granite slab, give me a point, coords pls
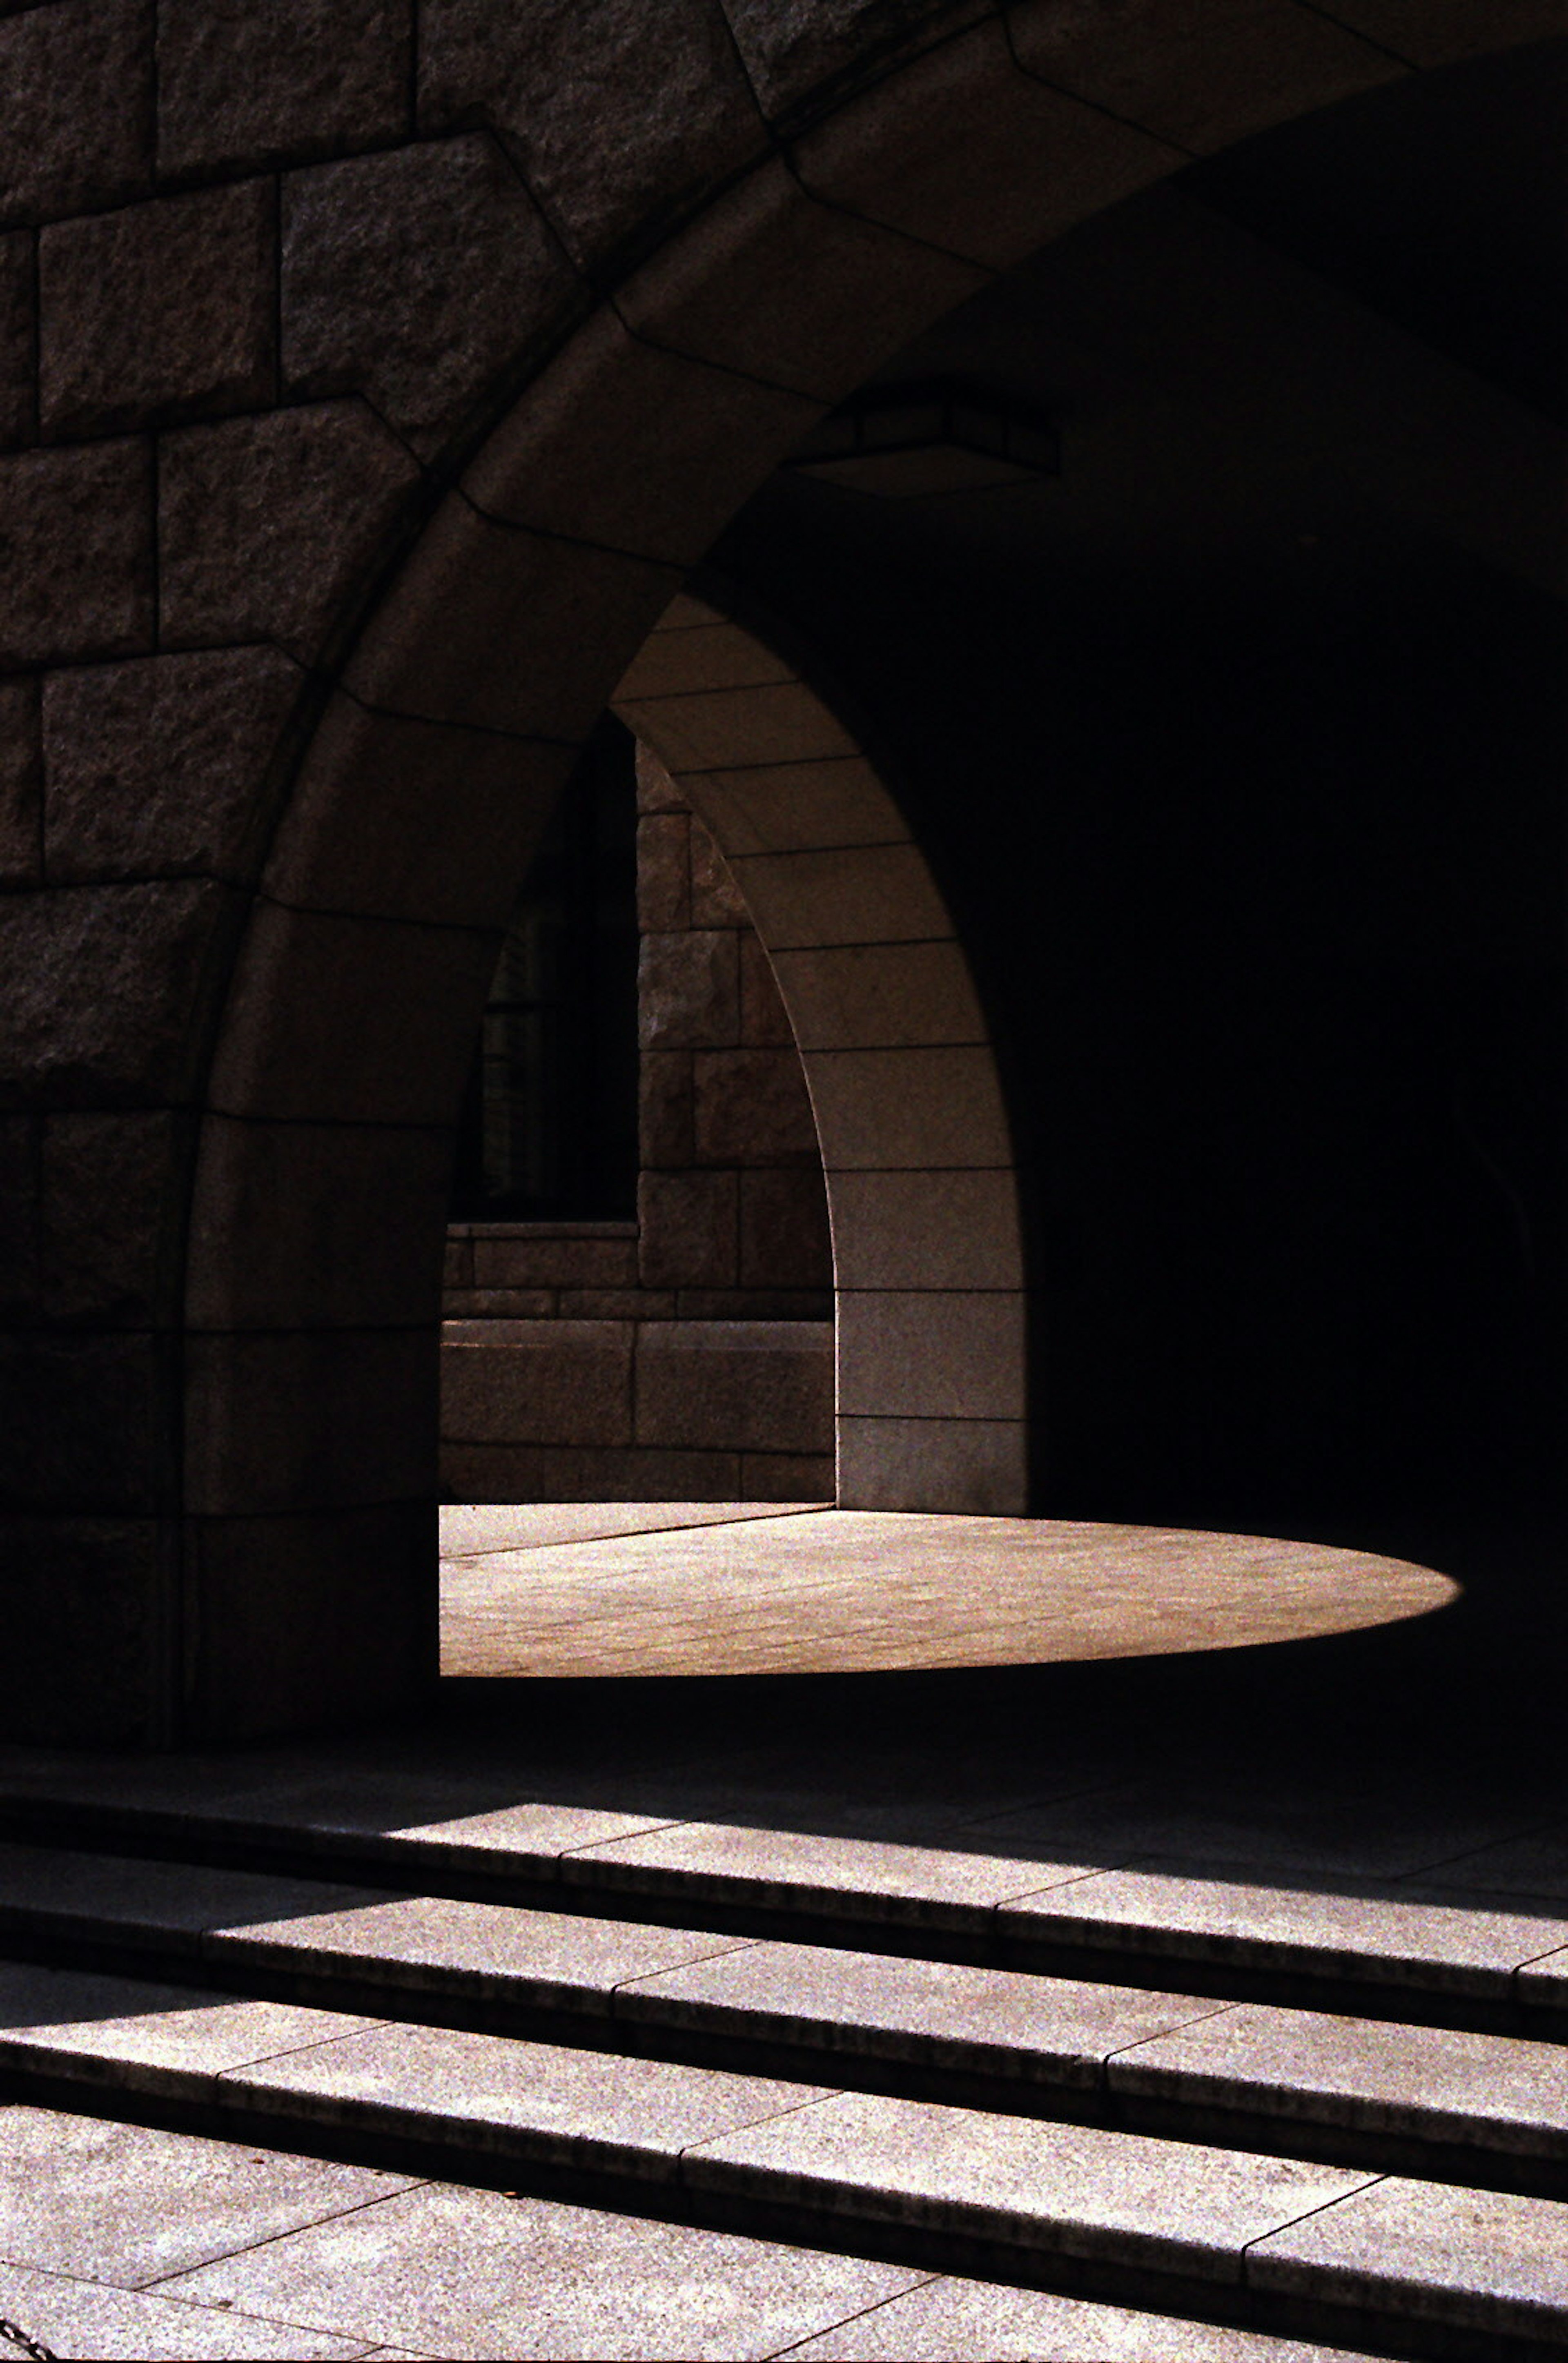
(1483, 2259)
(979, 2321)
(1076, 2189)
(1396, 1938)
(939, 2013)
(60, 1890)
(917, 1886)
(451, 2271)
(72, 2316)
(128, 2204)
(537, 2100)
(535, 1831)
(1491, 2090)
(432, 1944)
(140, 2036)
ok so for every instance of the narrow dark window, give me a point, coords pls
(549, 1124)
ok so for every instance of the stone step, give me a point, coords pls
(1453, 2105)
(1319, 2248)
(1372, 1948)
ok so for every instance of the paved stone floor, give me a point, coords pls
(714, 1589)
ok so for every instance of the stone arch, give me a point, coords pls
(256, 997)
(928, 1275)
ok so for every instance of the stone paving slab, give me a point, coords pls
(1056, 2189)
(1483, 2259)
(978, 2322)
(430, 1944)
(936, 2013)
(60, 1891)
(128, 2205)
(446, 2271)
(474, 1529)
(138, 2036)
(535, 2101)
(1533, 1865)
(1495, 2090)
(1392, 1936)
(73, 2316)
(914, 1886)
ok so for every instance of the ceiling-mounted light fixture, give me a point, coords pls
(901, 441)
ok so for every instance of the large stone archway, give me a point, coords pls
(376, 416)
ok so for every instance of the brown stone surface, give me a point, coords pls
(150, 766)
(457, 814)
(111, 1202)
(323, 1419)
(501, 1303)
(763, 1017)
(664, 873)
(21, 784)
(735, 1386)
(784, 1241)
(77, 531)
(617, 1304)
(165, 310)
(338, 1019)
(330, 1226)
(792, 51)
(656, 96)
(656, 791)
(58, 153)
(556, 1382)
(266, 524)
(664, 1132)
(410, 278)
(241, 84)
(752, 1108)
(88, 1426)
(98, 983)
(754, 1303)
(688, 1229)
(60, 1576)
(508, 1257)
(717, 901)
(786, 1476)
(688, 989)
(524, 1473)
(17, 328)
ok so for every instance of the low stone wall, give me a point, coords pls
(568, 1409)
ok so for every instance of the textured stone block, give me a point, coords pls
(89, 1427)
(752, 1108)
(783, 1231)
(21, 784)
(832, 800)
(927, 1230)
(763, 1018)
(75, 106)
(411, 278)
(98, 983)
(786, 1477)
(688, 989)
(239, 85)
(556, 1382)
(664, 1126)
(689, 1223)
(17, 329)
(885, 1109)
(151, 768)
(77, 531)
(326, 1419)
(267, 526)
(656, 791)
(690, 657)
(716, 900)
(932, 1355)
(664, 873)
(792, 52)
(735, 1386)
(657, 98)
(60, 1577)
(849, 997)
(546, 1258)
(777, 722)
(164, 310)
(112, 1195)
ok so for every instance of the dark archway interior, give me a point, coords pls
(1238, 751)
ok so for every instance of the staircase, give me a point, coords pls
(1336, 2114)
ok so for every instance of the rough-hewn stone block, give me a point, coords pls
(18, 328)
(688, 1223)
(663, 875)
(21, 784)
(76, 528)
(655, 96)
(411, 278)
(664, 1133)
(565, 1261)
(152, 767)
(717, 901)
(688, 989)
(267, 525)
(753, 1109)
(160, 310)
(656, 791)
(795, 52)
(75, 106)
(98, 983)
(763, 1018)
(783, 1231)
(111, 1203)
(239, 84)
